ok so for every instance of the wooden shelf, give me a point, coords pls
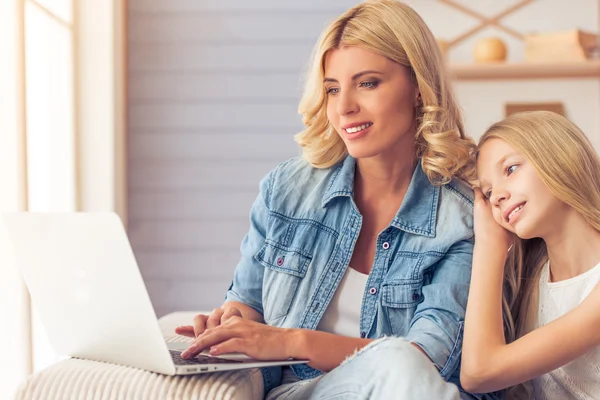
(566, 70)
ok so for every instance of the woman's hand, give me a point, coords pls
(237, 335)
(203, 322)
(487, 230)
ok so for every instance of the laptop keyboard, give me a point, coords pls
(200, 359)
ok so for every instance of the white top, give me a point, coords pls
(579, 379)
(342, 316)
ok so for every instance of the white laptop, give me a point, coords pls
(88, 291)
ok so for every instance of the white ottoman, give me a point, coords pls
(76, 379)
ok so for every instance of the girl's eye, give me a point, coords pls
(369, 84)
(511, 169)
(332, 90)
(488, 194)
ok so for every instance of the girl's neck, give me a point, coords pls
(573, 248)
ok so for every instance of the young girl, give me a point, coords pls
(537, 225)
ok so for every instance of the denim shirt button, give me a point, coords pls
(416, 296)
(280, 261)
(363, 334)
(385, 245)
(373, 290)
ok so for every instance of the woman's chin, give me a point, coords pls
(359, 152)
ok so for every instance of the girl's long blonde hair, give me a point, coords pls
(393, 30)
(569, 166)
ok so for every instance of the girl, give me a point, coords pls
(537, 224)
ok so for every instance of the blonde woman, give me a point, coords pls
(369, 235)
(537, 221)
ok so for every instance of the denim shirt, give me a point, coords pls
(304, 225)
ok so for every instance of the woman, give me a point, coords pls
(369, 234)
(537, 220)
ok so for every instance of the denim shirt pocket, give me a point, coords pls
(284, 268)
(399, 300)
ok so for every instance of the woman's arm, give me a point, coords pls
(246, 311)
(436, 327)
(488, 363)
(324, 350)
(263, 342)
(202, 322)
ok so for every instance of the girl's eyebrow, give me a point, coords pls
(503, 159)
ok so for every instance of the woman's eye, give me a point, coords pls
(488, 194)
(332, 90)
(511, 169)
(369, 84)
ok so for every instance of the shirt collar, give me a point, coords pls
(418, 211)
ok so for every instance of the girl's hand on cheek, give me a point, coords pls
(487, 231)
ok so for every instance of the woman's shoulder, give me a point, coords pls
(299, 169)
(455, 212)
(303, 172)
(297, 178)
(460, 193)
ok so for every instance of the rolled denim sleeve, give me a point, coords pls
(247, 284)
(437, 326)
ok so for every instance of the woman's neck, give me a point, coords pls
(377, 178)
(573, 248)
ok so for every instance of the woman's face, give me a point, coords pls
(521, 202)
(371, 102)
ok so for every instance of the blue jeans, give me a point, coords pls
(389, 368)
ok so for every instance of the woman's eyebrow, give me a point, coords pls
(355, 76)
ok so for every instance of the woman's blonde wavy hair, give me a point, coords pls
(569, 166)
(393, 30)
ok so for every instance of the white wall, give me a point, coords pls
(213, 93)
(483, 102)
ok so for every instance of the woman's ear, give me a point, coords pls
(418, 100)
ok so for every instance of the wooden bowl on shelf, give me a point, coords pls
(490, 50)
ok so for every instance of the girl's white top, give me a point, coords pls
(579, 379)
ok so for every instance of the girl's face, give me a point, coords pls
(520, 201)
(371, 102)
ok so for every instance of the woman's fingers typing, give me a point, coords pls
(230, 312)
(186, 330)
(214, 319)
(203, 322)
(199, 324)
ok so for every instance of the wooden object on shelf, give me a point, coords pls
(511, 108)
(563, 70)
(572, 45)
(485, 21)
(489, 50)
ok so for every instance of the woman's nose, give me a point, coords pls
(347, 104)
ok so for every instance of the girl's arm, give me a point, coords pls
(488, 363)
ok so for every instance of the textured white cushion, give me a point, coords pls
(76, 379)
